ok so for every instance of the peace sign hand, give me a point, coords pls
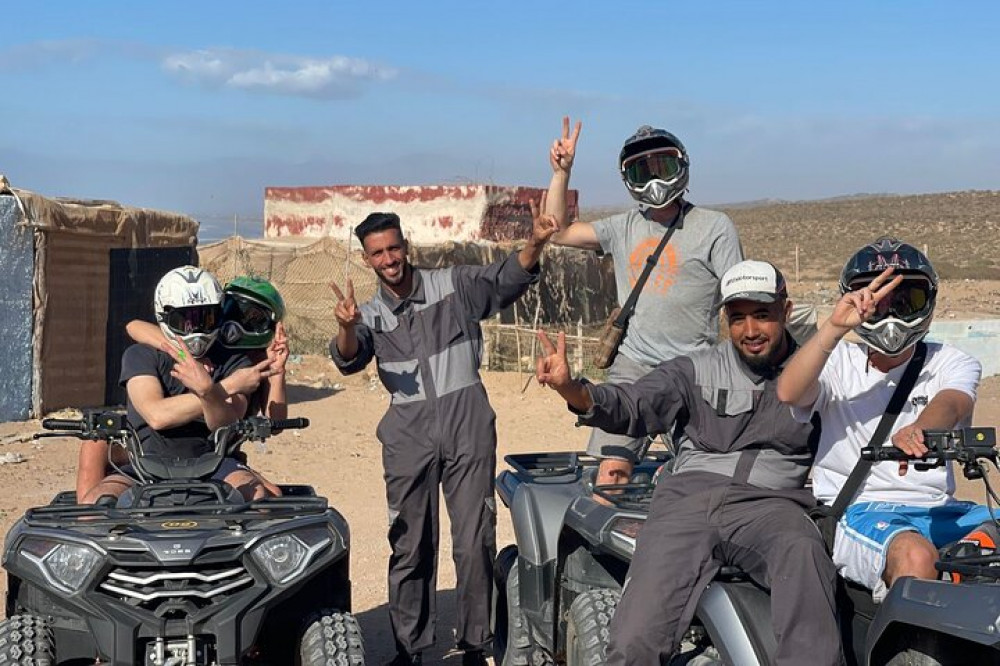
(552, 367)
(563, 150)
(856, 307)
(543, 225)
(347, 312)
(188, 370)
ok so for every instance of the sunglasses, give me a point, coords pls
(251, 316)
(908, 301)
(193, 319)
(662, 164)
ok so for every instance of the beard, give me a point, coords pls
(765, 363)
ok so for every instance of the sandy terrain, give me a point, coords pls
(340, 456)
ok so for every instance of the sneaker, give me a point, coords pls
(404, 659)
(473, 658)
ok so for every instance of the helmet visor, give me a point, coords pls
(251, 316)
(193, 319)
(909, 301)
(664, 164)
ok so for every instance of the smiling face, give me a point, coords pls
(385, 252)
(757, 330)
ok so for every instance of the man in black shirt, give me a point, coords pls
(179, 394)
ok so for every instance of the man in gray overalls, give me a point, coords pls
(736, 494)
(422, 328)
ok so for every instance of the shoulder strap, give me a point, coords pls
(629, 306)
(899, 397)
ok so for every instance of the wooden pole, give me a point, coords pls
(517, 337)
(534, 341)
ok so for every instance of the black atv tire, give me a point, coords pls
(588, 628)
(26, 640)
(511, 641)
(332, 638)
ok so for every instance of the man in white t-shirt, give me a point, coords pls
(900, 516)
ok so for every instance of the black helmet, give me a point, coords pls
(654, 165)
(904, 316)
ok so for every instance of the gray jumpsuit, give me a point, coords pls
(736, 497)
(439, 430)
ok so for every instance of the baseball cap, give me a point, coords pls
(751, 280)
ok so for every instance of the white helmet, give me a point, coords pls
(188, 306)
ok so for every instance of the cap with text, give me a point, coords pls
(750, 280)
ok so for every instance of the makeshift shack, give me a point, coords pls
(72, 273)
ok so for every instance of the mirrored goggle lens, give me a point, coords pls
(250, 315)
(907, 301)
(662, 165)
(197, 319)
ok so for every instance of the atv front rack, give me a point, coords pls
(97, 514)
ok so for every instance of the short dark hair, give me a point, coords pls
(376, 222)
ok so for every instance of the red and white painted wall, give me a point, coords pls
(430, 214)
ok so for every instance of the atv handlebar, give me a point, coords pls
(289, 424)
(964, 445)
(63, 424)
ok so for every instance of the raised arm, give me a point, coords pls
(798, 384)
(561, 156)
(145, 333)
(353, 346)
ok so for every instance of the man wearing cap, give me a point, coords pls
(439, 433)
(676, 312)
(736, 494)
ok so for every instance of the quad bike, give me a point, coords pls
(558, 587)
(181, 570)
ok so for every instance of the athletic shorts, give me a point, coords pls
(866, 530)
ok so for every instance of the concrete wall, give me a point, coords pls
(977, 337)
(16, 270)
(430, 215)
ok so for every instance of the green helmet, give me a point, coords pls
(251, 308)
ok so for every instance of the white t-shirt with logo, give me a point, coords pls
(853, 396)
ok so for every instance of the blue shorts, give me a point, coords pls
(866, 530)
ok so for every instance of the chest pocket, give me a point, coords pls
(442, 325)
(392, 338)
(729, 402)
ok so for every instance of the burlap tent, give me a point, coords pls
(75, 283)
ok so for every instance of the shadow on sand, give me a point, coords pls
(380, 647)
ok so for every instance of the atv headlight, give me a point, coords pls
(286, 556)
(66, 565)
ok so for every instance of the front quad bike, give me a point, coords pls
(558, 587)
(181, 571)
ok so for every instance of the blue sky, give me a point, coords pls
(197, 106)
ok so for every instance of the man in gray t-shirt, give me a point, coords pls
(676, 312)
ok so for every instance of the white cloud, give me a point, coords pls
(337, 77)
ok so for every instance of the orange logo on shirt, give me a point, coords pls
(665, 271)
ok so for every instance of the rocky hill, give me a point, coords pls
(961, 231)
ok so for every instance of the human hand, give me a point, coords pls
(563, 150)
(543, 225)
(910, 440)
(552, 367)
(347, 312)
(247, 380)
(188, 370)
(856, 307)
(277, 350)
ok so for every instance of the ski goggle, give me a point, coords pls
(251, 316)
(193, 319)
(661, 164)
(908, 301)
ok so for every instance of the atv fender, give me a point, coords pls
(737, 617)
(538, 512)
(965, 611)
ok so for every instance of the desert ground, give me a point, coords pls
(340, 456)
